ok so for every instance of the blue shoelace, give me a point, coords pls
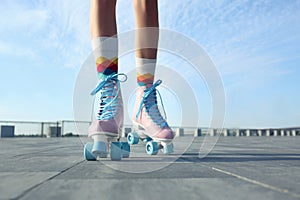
(109, 104)
(149, 102)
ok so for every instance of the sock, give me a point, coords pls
(106, 55)
(145, 69)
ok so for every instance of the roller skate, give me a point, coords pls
(105, 130)
(148, 123)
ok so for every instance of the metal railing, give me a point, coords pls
(69, 128)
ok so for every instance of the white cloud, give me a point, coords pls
(59, 29)
(19, 19)
(69, 31)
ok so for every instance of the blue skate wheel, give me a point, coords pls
(133, 138)
(99, 149)
(116, 150)
(168, 149)
(125, 150)
(87, 152)
(152, 148)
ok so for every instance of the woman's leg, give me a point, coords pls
(103, 18)
(103, 31)
(109, 115)
(146, 115)
(146, 15)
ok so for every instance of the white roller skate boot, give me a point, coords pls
(149, 124)
(105, 130)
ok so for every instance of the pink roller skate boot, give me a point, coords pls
(105, 130)
(149, 124)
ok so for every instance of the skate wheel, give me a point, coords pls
(99, 149)
(125, 150)
(87, 152)
(133, 138)
(152, 148)
(116, 150)
(168, 148)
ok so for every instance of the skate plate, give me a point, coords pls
(153, 145)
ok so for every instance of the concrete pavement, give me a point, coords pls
(237, 168)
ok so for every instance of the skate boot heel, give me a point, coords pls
(99, 149)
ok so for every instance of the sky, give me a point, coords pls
(254, 44)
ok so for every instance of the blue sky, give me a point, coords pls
(254, 44)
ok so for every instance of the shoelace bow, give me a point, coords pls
(109, 101)
(149, 102)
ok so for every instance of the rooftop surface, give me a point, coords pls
(237, 168)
